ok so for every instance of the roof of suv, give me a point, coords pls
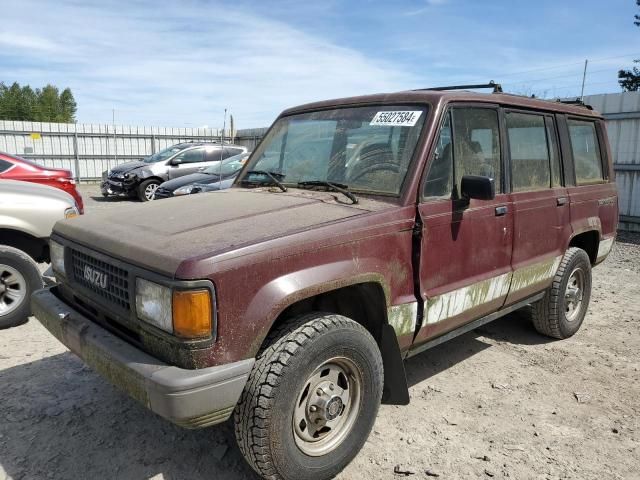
(435, 97)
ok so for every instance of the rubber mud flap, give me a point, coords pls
(396, 390)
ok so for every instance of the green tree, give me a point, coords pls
(629, 80)
(39, 105)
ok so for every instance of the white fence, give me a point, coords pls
(87, 150)
(622, 113)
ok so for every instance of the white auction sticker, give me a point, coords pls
(407, 118)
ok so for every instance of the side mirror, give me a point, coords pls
(176, 161)
(480, 188)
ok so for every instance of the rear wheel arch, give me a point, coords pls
(588, 241)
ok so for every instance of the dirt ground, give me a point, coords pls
(499, 402)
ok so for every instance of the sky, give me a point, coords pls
(181, 64)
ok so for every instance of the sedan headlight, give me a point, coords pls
(186, 190)
(56, 253)
(185, 313)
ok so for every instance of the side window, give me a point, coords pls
(194, 155)
(586, 151)
(213, 155)
(4, 165)
(529, 152)
(230, 152)
(439, 181)
(476, 144)
(554, 150)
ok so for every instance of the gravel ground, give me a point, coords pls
(499, 402)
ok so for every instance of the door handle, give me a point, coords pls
(500, 211)
(561, 201)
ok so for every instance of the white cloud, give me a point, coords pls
(185, 63)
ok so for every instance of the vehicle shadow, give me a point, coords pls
(514, 328)
(112, 198)
(60, 420)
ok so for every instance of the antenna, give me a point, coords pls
(224, 126)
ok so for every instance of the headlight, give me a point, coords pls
(153, 304)
(56, 253)
(185, 313)
(186, 190)
(71, 212)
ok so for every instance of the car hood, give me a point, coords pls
(161, 235)
(128, 166)
(201, 178)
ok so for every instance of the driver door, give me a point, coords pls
(186, 162)
(465, 259)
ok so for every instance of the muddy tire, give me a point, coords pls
(147, 190)
(311, 399)
(19, 278)
(561, 312)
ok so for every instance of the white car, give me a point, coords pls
(28, 212)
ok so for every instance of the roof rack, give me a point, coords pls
(578, 101)
(497, 88)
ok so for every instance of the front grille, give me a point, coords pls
(103, 279)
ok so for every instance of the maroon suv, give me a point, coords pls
(360, 232)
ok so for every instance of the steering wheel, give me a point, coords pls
(391, 167)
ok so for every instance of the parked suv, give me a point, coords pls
(361, 231)
(142, 178)
(27, 214)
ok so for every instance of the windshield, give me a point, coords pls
(164, 154)
(228, 166)
(368, 149)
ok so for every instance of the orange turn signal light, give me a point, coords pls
(192, 313)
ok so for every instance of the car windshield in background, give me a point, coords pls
(164, 154)
(368, 149)
(229, 165)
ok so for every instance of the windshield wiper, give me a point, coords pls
(336, 187)
(272, 175)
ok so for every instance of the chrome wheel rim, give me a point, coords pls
(13, 289)
(327, 406)
(573, 294)
(150, 191)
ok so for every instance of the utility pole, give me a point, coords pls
(115, 143)
(584, 77)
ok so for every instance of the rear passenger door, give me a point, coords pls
(465, 258)
(541, 216)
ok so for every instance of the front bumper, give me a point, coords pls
(189, 398)
(112, 187)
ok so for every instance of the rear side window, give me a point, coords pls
(4, 165)
(529, 152)
(230, 152)
(586, 151)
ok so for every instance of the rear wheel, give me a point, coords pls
(147, 190)
(311, 399)
(561, 312)
(19, 278)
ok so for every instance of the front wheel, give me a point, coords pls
(147, 190)
(311, 399)
(19, 278)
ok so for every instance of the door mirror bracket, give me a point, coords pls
(478, 187)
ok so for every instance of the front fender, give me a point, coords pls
(293, 287)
